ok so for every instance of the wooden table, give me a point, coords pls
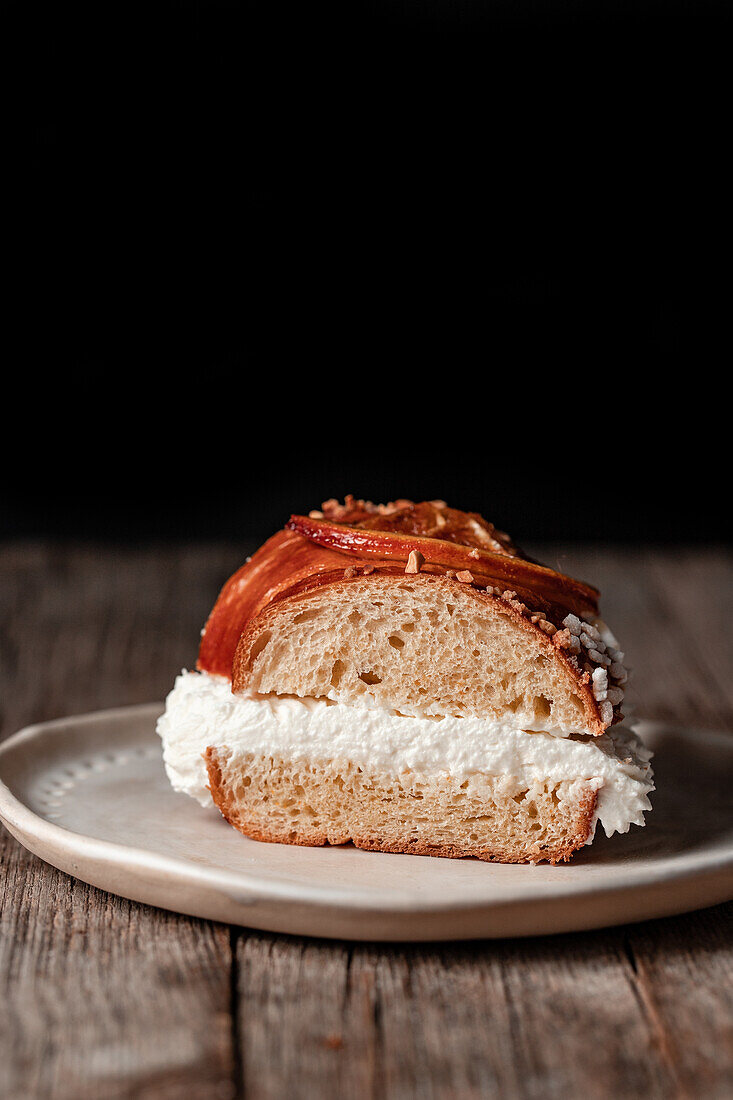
(105, 998)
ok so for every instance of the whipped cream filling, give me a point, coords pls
(201, 711)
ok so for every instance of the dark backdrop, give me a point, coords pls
(194, 468)
(260, 255)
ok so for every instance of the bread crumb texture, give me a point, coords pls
(309, 803)
(417, 645)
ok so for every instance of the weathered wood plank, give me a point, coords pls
(92, 627)
(673, 611)
(104, 997)
(683, 974)
(304, 1024)
(696, 590)
(101, 996)
(555, 1016)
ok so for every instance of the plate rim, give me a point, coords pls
(243, 887)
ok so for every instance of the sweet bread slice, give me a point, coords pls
(325, 803)
(421, 645)
(370, 676)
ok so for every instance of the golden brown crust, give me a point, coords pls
(283, 563)
(363, 538)
(435, 520)
(507, 569)
(443, 851)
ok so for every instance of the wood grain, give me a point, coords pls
(106, 998)
(103, 997)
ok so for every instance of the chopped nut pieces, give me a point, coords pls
(315, 514)
(465, 576)
(565, 639)
(474, 554)
(414, 562)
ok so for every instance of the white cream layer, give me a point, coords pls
(202, 711)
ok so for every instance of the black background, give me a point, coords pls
(261, 255)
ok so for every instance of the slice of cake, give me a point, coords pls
(404, 678)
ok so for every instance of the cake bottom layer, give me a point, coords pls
(493, 818)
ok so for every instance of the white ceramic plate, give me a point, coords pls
(90, 796)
